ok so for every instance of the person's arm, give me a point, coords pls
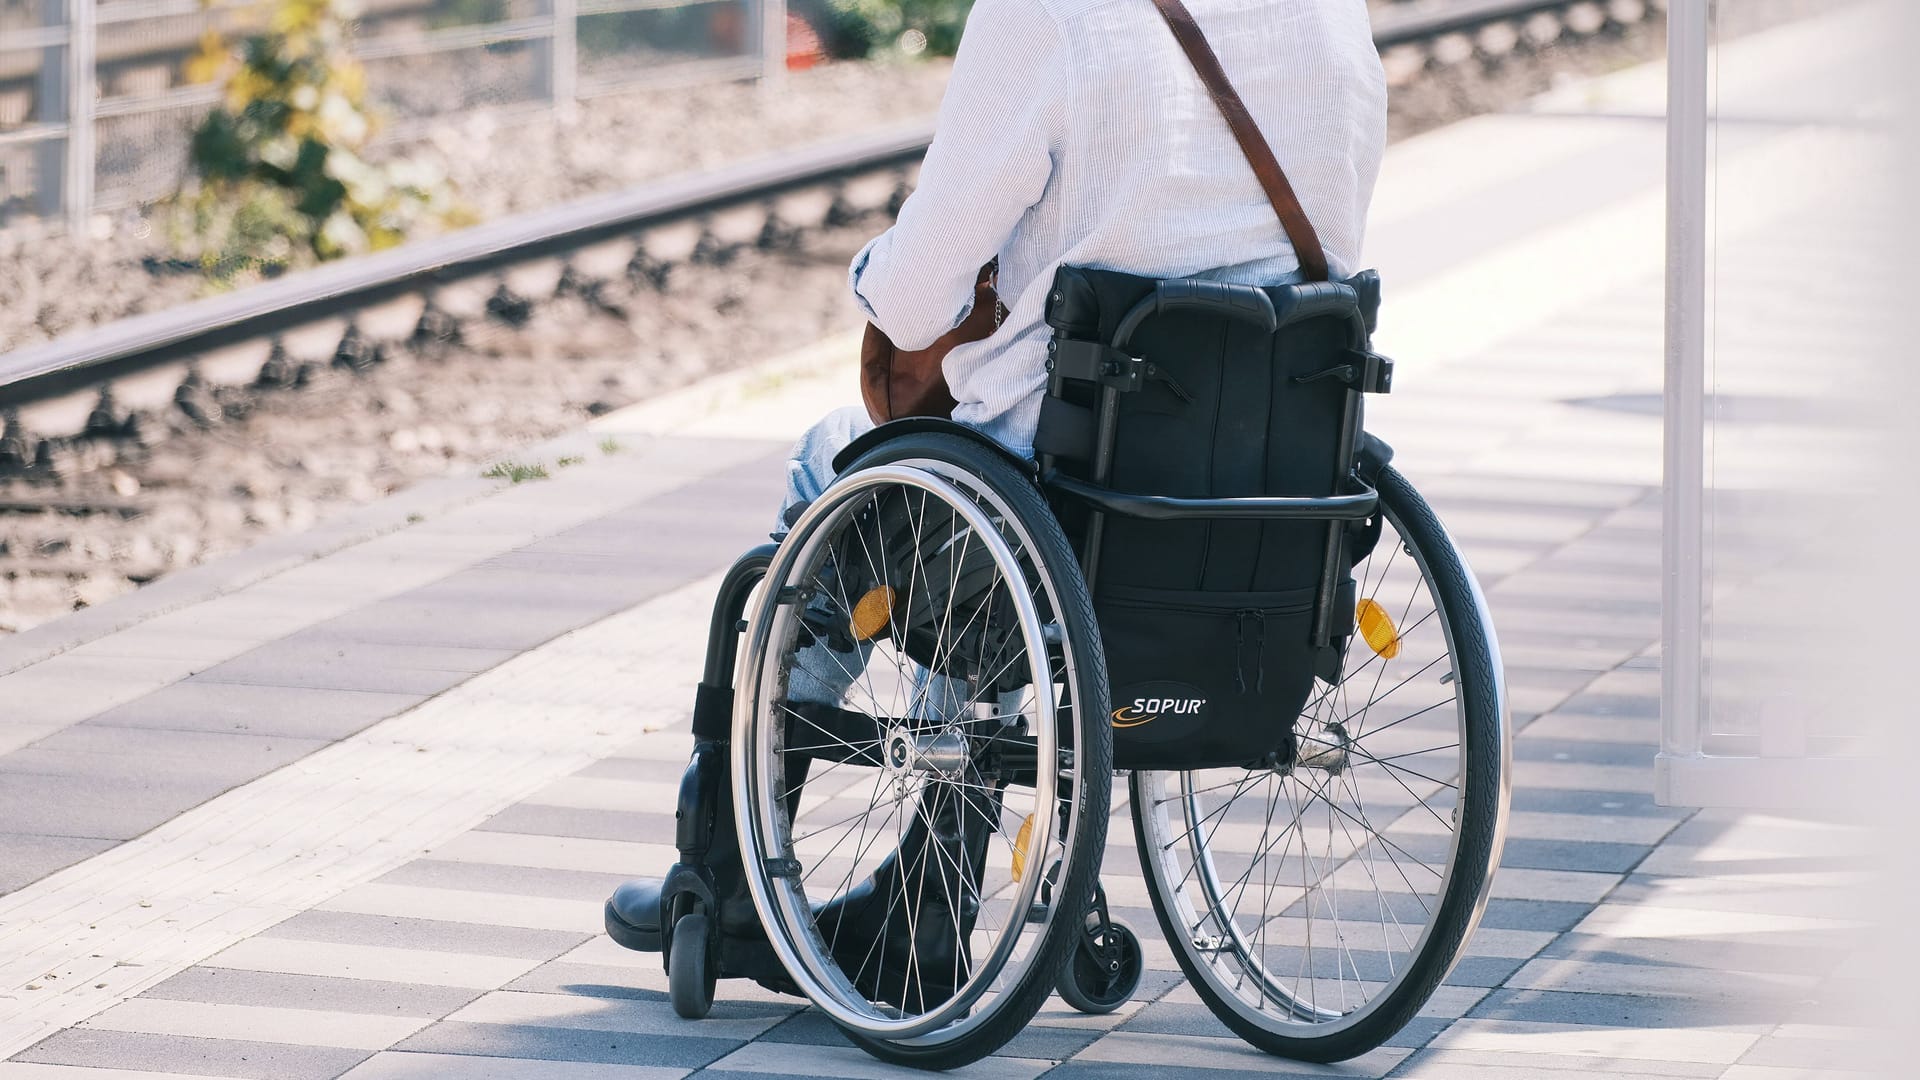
(991, 156)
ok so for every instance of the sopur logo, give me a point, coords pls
(1145, 710)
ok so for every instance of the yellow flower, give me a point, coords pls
(207, 64)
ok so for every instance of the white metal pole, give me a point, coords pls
(1683, 594)
(773, 43)
(50, 107)
(563, 52)
(77, 184)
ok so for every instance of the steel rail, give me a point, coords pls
(1420, 20)
(90, 357)
(69, 363)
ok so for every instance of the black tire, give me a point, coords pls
(1205, 948)
(1096, 989)
(1053, 578)
(690, 972)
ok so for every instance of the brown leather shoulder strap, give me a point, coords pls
(1306, 243)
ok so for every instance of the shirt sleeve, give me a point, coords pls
(991, 157)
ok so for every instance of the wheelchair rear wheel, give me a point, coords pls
(1316, 907)
(920, 736)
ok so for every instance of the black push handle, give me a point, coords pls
(1315, 299)
(1244, 303)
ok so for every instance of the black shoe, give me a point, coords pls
(633, 915)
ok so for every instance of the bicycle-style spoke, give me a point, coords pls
(901, 900)
(1308, 902)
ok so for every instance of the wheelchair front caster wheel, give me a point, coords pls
(690, 974)
(1104, 970)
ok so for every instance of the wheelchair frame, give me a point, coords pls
(705, 802)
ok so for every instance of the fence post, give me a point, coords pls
(773, 43)
(563, 52)
(77, 181)
(50, 107)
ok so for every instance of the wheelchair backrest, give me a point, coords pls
(1195, 392)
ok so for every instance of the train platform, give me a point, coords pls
(347, 804)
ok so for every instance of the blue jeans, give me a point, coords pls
(820, 673)
(810, 467)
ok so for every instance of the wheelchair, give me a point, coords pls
(918, 703)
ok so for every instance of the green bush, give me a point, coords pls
(890, 25)
(277, 172)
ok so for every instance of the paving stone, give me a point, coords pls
(568, 1044)
(1418, 1032)
(1578, 801)
(21, 1070)
(378, 963)
(627, 768)
(1628, 1010)
(1483, 1065)
(1667, 1044)
(99, 809)
(297, 712)
(1801, 958)
(382, 667)
(517, 880)
(234, 986)
(794, 1059)
(1572, 855)
(1519, 883)
(1176, 1055)
(1177, 1018)
(589, 793)
(1855, 1050)
(25, 859)
(590, 980)
(808, 1027)
(130, 754)
(512, 590)
(67, 689)
(636, 1016)
(1556, 915)
(1484, 970)
(469, 906)
(1589, 752)
(1048, 1043)
(457, 620)
(1084, 1068)
(355, 929)
(256, 1023)
(559, 853)
(405, 1065)
(593, 824)
(209, 1057)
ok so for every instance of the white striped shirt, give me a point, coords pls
(1075, 132)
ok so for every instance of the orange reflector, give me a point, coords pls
(1377, 627)
(870, 615)
(1020, 843)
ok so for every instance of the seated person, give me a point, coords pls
(1077, 133)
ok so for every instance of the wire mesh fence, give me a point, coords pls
(97, 107)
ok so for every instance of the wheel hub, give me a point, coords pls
(1325, 750)
(944, 754)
